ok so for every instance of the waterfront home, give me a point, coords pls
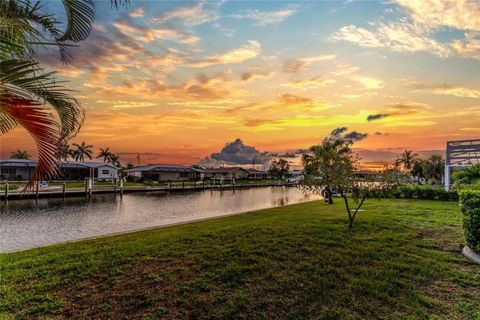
(227, 173)
(21, 170)
(256, 174)
(80, 170)
(16, 169)
(166, 172)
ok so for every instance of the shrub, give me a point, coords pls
(470, 204)
(425, 192)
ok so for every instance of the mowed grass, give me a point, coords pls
(401, 261)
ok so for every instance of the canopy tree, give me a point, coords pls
(279, 168)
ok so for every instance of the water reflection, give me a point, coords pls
(31, 223)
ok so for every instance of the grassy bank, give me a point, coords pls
(401, 260)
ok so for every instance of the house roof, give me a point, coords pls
(78, 164)
(164, 168)
(18, 163)
(67, 164)
(257, 171)
(224, 170)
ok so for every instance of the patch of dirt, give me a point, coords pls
(443, 239)
(148, 288)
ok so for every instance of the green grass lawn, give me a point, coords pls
(401, 261)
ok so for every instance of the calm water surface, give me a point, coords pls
(28, 223)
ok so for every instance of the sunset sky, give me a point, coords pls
(178, 80)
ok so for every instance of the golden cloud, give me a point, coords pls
(245, 52)
(311, 83)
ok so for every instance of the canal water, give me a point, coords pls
(29, 223)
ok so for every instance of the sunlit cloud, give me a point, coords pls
(263, 18)
(288, 98)
(369, 83)
(415, 32)
(400, 36)
(459, 14)
(132, 104)
(246, 52)
(255, 74)
(311, 83)
(137, 13)
(469, 46)
(300, 64)
(200, 13)
(446, 89)
(145, 34)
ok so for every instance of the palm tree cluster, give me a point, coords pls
(110, 157)
(83, 151)
(431, 169)
(29, 95)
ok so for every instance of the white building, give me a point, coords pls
(460, 154)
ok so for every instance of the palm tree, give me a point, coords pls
(407, 160)
(105, 154)
(63, 151)
(82, 151)
(29, 95)
(115, 160)
(19, 154)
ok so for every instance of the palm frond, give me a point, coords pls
(19, 33)
(80, 17)
(26, 79)
(43, 129)
(7, 123)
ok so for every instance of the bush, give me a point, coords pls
(425, 192)
(470, 204)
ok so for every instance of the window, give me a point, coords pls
(105, 171)
(183, 174)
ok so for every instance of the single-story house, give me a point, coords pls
(256, 174)
(226, 173)
(166, 172)
(21, 170)
(16, 169)
(73, 170)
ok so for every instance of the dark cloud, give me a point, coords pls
(342, 134)
(355, 136)
(338, 132)
(377, 116)
(236, 152)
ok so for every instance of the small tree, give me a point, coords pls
(374, 185)
(328, 165)
(279, 168)
(332, 166)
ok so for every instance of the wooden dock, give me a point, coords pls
(115, 190)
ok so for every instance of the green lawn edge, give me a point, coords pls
(402, 260)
